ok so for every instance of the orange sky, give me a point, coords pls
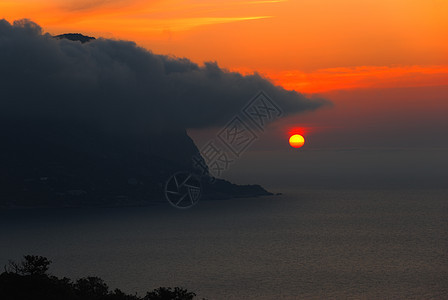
(313, 46)
(302, 44)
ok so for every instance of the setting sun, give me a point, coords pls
(296, 141)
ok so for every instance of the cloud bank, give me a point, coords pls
(119, 86)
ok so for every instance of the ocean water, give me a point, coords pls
(305, 244)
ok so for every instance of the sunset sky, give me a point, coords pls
(383, 64)
(310, 46)
(240, 149)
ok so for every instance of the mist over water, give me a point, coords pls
(306, 244)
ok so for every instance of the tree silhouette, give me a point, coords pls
(163, 293)
(28, 279)
(91, 287)
(31, 265)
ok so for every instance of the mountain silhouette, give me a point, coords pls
(61, 163)
(57, 164)
(75, 37)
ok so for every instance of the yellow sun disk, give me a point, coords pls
(296, 141)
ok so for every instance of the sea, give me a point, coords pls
(303, 244)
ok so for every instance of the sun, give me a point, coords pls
(296, 141)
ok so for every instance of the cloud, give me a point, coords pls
(90, 4)
(361, 77)
(120, 87)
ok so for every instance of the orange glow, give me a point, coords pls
(296, 141)
(309, 46)
(298, 130)
(356, 77)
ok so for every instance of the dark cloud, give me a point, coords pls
(119, 86)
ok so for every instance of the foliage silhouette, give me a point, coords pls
(31, 265)
(91, 287)
(163, 293)
(28, 279)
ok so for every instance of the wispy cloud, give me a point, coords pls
(358, 77)
(131, 16)
(157, 25)
(79, 5)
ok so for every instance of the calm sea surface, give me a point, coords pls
(302, 245)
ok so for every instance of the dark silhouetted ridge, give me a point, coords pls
(61, 164)
(75, 37)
